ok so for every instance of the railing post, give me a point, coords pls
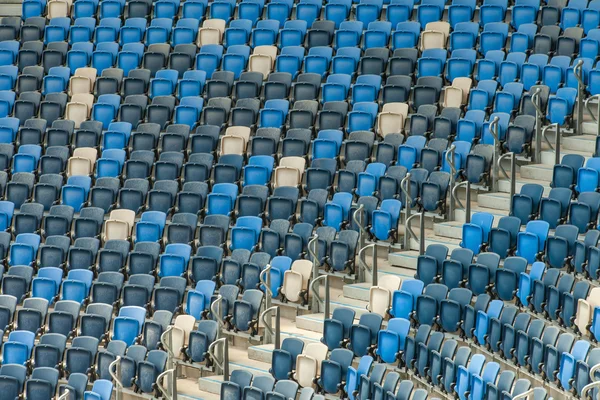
(316, 265)
(116, 376)
(359, 218)
(327, 298)
(494, 128)
(315, 291)
(450, 160)
(589, 110)
(159, 384)
(539, 116)
(374, 277)
(422, 234)
(557, 146)
(512, 176)
(580, 95)
(277, 328)
(468, 204)
(267, 283)
(225, 360)
(405, 187)
(215, 309)
(65, 395)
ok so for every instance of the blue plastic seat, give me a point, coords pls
(532, 240)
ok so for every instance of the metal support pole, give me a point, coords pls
(327, 298)
(374, 277)
(65, 395)
(422, 234)
(215, 309)
(405, 187)
(315, 292)
(266, 281)
(580, 95)
(539, 115)
(468, 204)
(316, 265)
(495, 130)
(225, 360)
(557, 145)
(116, 376)
(450, 161)
(512, 175)
(359, 218)
(277, 342)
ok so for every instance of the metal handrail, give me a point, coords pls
(363, 263)
(216, 312)
(65, 395)
(535, 98)
(450, 160)
(264, 321)
(512, 177)
(494, 129)
(594, 383)
(556, 146)
(589, 109)
(455, 197)
(501, 168)
(580, 93)
(524, 395)
(358, 218)
(408, 228)
(213, 356)
(116, 376)
(313, 251)
(403, 186)
(159, 380)
(315, 292)
(264, 282)
(170, 353)
(449, 156)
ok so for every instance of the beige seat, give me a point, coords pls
(464, 84)
(306, 370)
(233, 145)
(124, 215)
(318, 351)
(440, 26)
(391, 283)
(295, 162)
(263, 60)
(88, 72)
(241, 131)
(453, 97)
(80, 84)
(119, 225)
(585, 310)
(82, 162)
(211, 32)
(184, 324)
(389, 122)
(433, 40)
(295, 281)
(397, 108)
(286, 176)
(58, 8)
(76, 112)
(379, 300)
(85, 98)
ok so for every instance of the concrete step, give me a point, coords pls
(583, 143)
(498, 201)
(504, 185)
(451, 229)
(359, 306)
(404, 259)
(188, 389)
(548, 156)
(451, 244)
(538, 172)
(460, 214)
(311, 322)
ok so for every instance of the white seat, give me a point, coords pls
(233, 145)
(122, 214)
(379, 300)
(389, 122)
(453, 97)
(58, 8)
(433, 40)
(186, 323)
(295, 162)
(440, 26)
(306, 370)
(318, 351)
(80, 84)
(87, 72)
(391, 283)
(76, 112)
(79, 166)
(115, 229)
(295, 280)
(241, 131)
(465, 85)
(87, 152)
(211, 32)
(585, 310)
(286, 176)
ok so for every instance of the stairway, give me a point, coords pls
(498, 204)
